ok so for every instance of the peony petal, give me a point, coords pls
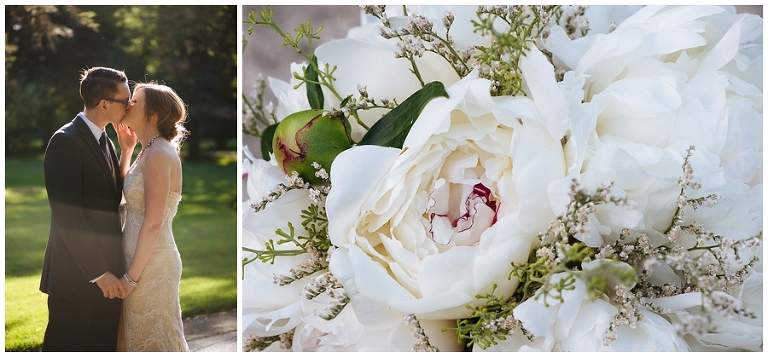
(562, 47)
(444, 272)
(287, 208)
(724, 51)
(463, 30)
(671, 16)
(535, 317)
(500, 245)
(355, 172)
(550, 102)
(607, 46)
(651, 94)
(642, 15)
(291, 100)
(272, 323)
(601, 16)
(590, 324)
(369, 64)
(653, 333)
(662, 41)
(369, 296)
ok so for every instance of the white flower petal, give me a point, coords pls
(649, 94)
(724, 51)
(349, 170)
(551, 103)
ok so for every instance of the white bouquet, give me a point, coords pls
(511, 178)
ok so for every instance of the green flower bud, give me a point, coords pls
(310, 136)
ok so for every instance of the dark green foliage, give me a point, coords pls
(190, 48)
(314, 89)
(393, 127)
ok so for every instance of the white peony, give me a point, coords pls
(729, 333)
(289, 100)
(268, 308)
(366, 60)
(424, 229)
(371, 63)
(579, 323)
(343, 333)
(665, 79)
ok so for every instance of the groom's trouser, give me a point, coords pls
(82, 325)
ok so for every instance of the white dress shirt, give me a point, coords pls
(94, 128)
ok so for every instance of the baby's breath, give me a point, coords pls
(576, 24)
(419, 36)
(256, 115)
(256, 343)
(525, 26)
(315, 222)
(714, 266)
(422, 341)
(706, 267)
(323, 283)
(294, 183)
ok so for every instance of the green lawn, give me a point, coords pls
(205, 229)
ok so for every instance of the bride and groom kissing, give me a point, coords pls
(113, 282)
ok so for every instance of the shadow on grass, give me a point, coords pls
(205, 230)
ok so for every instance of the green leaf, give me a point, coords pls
(314, 90)
(266, 141)
(393, 127)
(345, 101)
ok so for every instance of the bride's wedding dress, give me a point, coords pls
(151, 319)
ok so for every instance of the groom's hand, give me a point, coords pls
(111, 286)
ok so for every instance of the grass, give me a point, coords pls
(205, 229)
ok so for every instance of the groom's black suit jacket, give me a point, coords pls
(85, 240)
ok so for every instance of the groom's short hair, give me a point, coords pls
(99, 83)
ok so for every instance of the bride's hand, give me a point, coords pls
(126, 137)
(126, 287)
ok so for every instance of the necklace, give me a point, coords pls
(146, 147)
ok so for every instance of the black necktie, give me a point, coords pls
(103, 144)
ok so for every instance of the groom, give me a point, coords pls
(84, 255)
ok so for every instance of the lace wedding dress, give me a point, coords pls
(151, 318)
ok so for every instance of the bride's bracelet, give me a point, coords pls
(129, 280)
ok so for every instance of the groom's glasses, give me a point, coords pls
(123, 102)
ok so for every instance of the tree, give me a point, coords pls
(190, 48)
(34, 35)
(196, 55)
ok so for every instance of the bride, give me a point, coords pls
(151, 317)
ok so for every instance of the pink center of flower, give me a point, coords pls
(460, 213)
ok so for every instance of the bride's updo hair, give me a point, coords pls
(171, 111)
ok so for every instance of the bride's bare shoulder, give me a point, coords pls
(163, 154)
